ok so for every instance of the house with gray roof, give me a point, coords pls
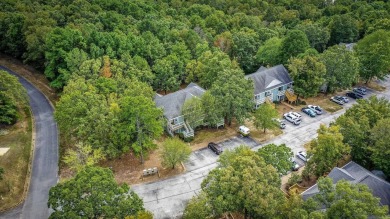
(172, 106)
(270, 84)
(354, 173)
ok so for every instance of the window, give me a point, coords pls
(268, 93)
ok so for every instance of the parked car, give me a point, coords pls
(302, 155)
(309, 111)
(316, 109)
(354, 95)
(243, 130)
(292, 118)
(337, 100)
(296, 114)
(281, 122)
(362, 89)
(295, 166)
(359, 91)
(345, 99)
(215, 148)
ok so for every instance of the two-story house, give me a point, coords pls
(271, 84)
(172, 105)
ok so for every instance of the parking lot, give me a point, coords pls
(168, 198)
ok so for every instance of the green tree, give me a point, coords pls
(166, 79)
(347, 200)
(264, 117)
(342, 68)
(12, 40)
(380, 135)
(214, 114)
(308, 75)
(326, 150)
(293, 44)
(140, 121)
(82, 156)
(244, 183)
(317, 35)
(373, 52)
(174, 152)
(93, 193)
(269, 54)
(277, 156)
(245, 46)
(193, 112)
(343, 29)
(58, 43)
(198, 207)
(233, 94)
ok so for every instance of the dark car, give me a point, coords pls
(354, 95)
(215, 148)
(309, 111)
(359, 91)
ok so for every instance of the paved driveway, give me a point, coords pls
(168, 198)
(45, 160)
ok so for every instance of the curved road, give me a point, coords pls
(45, 160)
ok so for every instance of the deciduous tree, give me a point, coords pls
(279, 156)
(293, 44)
(326, 150)
(193, 112)
(374, 55)
(269, 53)
(174, 152)
(264, 117)
(198, 207)
(93, 193)
(342, 68)
(234, 94)
(244, 183)
(82, 156)
(308, 75)
(380, 135)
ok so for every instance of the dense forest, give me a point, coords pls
(108, 57)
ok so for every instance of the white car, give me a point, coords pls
(316, 109)
(296, 114)
(292, 118)
(302, 155)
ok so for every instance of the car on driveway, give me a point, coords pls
(345, 99)
(215, 148)
(316, 109)
(294, 165)
(302, 155)
(354, 95)
(292, 118)
(337, 100)
(309, 111)
(281, 122)
(359, 91)
(296, 114)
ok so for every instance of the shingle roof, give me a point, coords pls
(172, 103)
(354, 173)
(267, 79)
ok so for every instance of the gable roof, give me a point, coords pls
(267, 79)
(354, 173)
(172, 103)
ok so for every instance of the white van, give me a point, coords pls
(243, 130)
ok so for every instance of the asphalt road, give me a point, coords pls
(45, 160)
(168, 198)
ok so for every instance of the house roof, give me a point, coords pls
(267, 79)
(354, 173)
(172, 103)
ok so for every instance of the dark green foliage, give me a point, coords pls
(13, 96)
(293, 44)
(93, 193)
(343, 29)
(1, 173)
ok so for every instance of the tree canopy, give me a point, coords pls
(93, 193)
(279, 156)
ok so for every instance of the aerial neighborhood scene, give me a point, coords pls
(141, 109)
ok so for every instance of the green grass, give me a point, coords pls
(16, 161)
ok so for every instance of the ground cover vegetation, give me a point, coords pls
(108, 57)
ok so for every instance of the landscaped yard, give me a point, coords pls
(15, 161)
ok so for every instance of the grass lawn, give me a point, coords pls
(324, 101)
(16, 161)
